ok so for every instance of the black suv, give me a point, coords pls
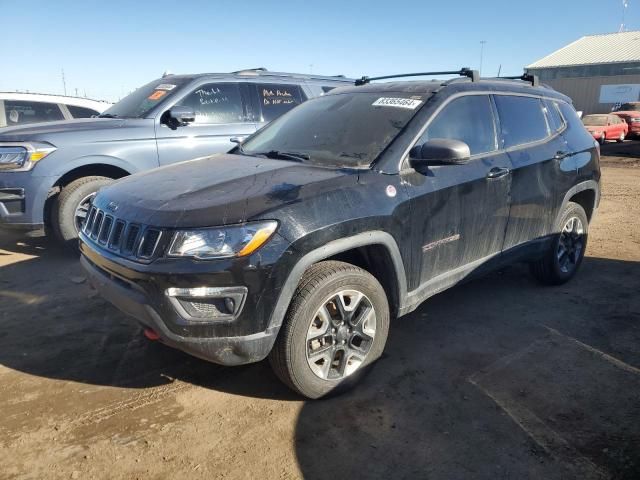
(351, 209)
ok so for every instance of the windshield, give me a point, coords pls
(140, 102)
(633, 107)
(344, 130)
(595, 120)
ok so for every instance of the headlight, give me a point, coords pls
(635, 120)
(18, 157)
(232, 241)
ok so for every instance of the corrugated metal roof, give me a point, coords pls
(595, 49)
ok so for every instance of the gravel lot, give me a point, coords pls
(497, 378)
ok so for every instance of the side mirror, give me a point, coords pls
(181, 115)
(440, 151)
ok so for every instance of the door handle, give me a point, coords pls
(497, 172)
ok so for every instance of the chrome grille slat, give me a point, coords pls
(97, 225)
(105, 229)
(130, 240)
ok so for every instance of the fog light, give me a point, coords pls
(208, 303)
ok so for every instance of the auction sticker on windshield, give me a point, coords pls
(409, 103)
(165, 86)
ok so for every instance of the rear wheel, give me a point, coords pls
(335, 328)
(72, 205)
(565, 255)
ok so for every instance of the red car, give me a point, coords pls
(630, 113)
(606, 126)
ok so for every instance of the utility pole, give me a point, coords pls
(625, 5)
(482, 43)
(64, 83)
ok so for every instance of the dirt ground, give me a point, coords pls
(497, 378)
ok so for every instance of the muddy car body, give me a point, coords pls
(370, 200)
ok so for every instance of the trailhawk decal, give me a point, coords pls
(408, 103)
(437, 243)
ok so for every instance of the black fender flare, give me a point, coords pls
(375, 237)
(580, 187)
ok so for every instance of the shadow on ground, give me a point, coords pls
(496, 378)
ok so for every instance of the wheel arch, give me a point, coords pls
(586, 194)
(101, 169)
(374, 251)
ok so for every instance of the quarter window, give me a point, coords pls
(276, 99)
(522, 120)
(468, 119)
(20, 113)
(556, 122)
(81, 112)
(216, 103)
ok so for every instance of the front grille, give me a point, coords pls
(130, 240)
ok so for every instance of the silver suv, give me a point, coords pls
(50, 172)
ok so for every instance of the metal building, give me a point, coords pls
(596, 71)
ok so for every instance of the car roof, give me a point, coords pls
(428, 87)
(99, 105)
(264, 75)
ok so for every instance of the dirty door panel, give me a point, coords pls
(460, 211)
(542, 167)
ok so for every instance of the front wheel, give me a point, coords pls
(603, 139)
(565, 255)
(336, 326)
(72, 205)
(621, 137)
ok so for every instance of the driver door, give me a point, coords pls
(460, 212)
(221, 114)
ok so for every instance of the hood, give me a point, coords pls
(218, 190)
(96, 128)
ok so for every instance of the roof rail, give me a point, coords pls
(534, 80)
(463, 72)
(252, 70)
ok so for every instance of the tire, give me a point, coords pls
(603, 139)
(621, 138)
(63, 213)
(292, 357)
(556, 267)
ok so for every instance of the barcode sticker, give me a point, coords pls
(409, 103)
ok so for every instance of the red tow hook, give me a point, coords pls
(151, 335)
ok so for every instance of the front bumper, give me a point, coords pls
(139, 290)
(22, 199)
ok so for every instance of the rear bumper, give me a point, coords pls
(134, 301)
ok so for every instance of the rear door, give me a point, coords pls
(543, 167)
(221, 114)
(459, 212)
(270, 100)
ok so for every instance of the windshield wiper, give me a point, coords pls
(295, 156)
(107, 115)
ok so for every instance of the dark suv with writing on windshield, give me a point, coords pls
(351, 209)
(50, 172)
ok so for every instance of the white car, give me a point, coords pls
(24, 108)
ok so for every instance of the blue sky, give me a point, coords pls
(108, 48)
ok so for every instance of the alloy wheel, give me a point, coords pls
(340, 335)
(570, 245)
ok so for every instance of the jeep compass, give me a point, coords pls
(351, 209)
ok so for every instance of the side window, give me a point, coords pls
(522, 119)
(276, 99)
(20, 112)
(81, 112)
(216, 103)
(554, 118)
(468, 119)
